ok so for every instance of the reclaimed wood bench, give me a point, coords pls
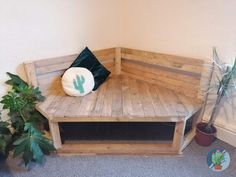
(143, 87)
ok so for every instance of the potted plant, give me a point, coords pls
(23, 132)
(205, 132)
(217, 159)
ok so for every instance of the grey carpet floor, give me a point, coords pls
(190, 164)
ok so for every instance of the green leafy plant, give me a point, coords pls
(26, 124)
(217, 157)
(225, 75)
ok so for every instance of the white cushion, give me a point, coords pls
(77, 81)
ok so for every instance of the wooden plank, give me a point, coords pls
(174, 102)
(116, 148)
(110, 67)
(116, 97)
(107, 105)
(52, 68)
(61, 63)
(67, 103)
(31, 74)
(55, 132)
(56, 103)
(105, 52)
(132, 118)
(98, 104)
(70, 111)
(192, 105)
(179, 136)
(107, 61)
(188, 138)
(127, 104)
(160, 71)
(49, 83)
(161, 77)
(159, 108)
(106, 58)
(135, 99)
(175, 62)
(70, 58)
(86, 106)
(43, 106)
(166, 101)
(118, 60)
(145, 99)
(178, 89)
(55, 60)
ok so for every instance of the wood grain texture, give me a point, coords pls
(179, 136)
(31, 73)
(143, 87)
(188, 138)
(177, 81)
(175, 62)
(46, 73)
(118, 60)
(93, 148)
(55, 133)
(121, 98)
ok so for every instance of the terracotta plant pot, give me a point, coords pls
(218, 167)
(202, 138)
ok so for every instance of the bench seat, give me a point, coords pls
(120, 98)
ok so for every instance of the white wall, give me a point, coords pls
(187, 28)
(49, 28)
(183, 27)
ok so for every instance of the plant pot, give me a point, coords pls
(202, 138)
(218, 167)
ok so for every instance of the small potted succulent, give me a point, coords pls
(225, 74)
(217, 159)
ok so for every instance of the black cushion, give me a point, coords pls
(86, 59)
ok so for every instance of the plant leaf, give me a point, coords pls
(37, 152)
(15, 80)
(22, 139)
(20, 148)
(32, 144)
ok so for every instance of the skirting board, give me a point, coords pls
(226, 135)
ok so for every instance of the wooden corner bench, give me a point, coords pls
(143, 87)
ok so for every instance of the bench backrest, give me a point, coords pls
(173, 72)
(46, 73)
(180, 74)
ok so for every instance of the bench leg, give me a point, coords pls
(179, 136)
(55, 132)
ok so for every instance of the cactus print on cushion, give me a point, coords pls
(87, 59)
(77, 81)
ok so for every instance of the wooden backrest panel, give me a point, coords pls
(184, 64)
(180, 74)
(46, 73)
